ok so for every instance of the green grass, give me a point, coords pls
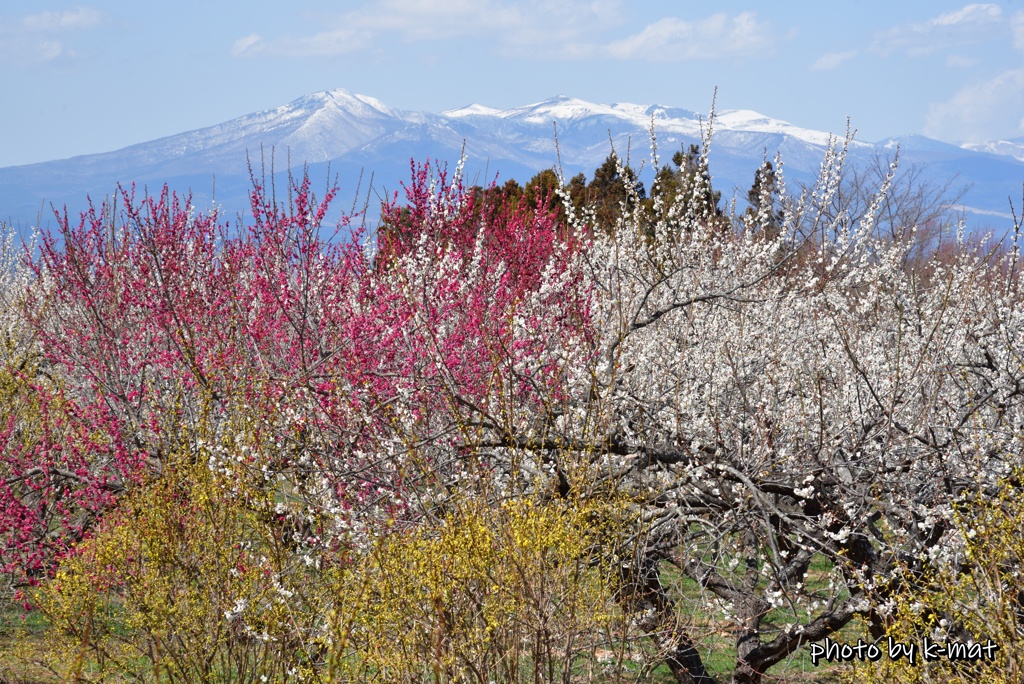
(22, 639)
(716, 639)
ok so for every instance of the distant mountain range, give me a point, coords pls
(356, 136)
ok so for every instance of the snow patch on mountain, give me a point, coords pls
(567, 110)
(748, 120)
(471, 110)
(1010, 148)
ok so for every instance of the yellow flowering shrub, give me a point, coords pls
(186, 581)
(502, 593)
(967, 624)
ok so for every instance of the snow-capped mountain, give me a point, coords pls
(1011, 148)
(350, 136)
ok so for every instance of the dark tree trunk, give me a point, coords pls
(643, 595)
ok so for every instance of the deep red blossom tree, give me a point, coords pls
(166, 328)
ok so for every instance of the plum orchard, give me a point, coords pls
(499, 433)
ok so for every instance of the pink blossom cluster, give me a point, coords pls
(328, 364)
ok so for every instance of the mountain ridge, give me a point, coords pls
(350, 132)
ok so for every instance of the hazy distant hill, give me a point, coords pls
(350, 133)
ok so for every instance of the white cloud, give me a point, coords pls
(46, 50)
(527, 26)
(1017, 26)
(322, 44)
(78, 18)
(672, 39)
(980, 111)
(975, 13)
(961, 61)
(568, 30)
(833, 60)
(248, 45)
(971, 24)
(40, 38)
(418, 20)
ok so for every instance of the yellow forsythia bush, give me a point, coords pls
(972, 609)
(507, 593)
(186, 581)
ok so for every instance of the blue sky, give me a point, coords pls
(97, 76)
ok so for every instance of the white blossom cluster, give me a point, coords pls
(15, 280)
(812, 393)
